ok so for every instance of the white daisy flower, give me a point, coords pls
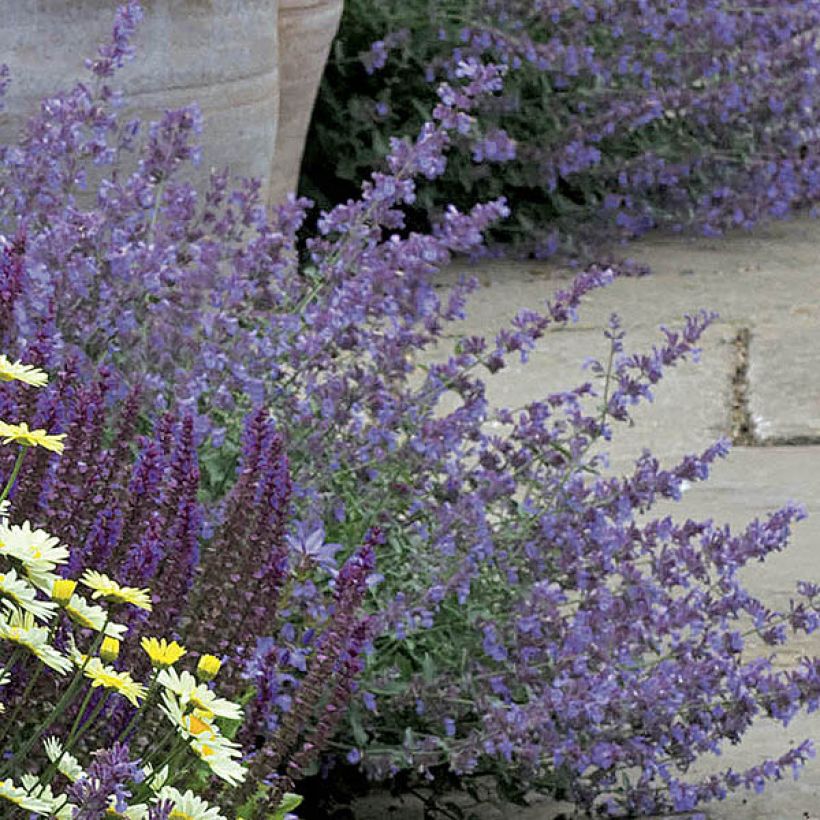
(19, 628)
(14, 591)
(68, 766)
(189, 692)
(93, 617)
(188, 805)
(20, 797)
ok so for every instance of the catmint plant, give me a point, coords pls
(395, 569)
(617, 117)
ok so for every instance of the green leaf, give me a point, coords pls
(289, 802)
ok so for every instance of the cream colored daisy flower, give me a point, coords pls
(188, 806)
(189, 724)
(19, 797)
(136, 812)
(107, 677)
(14, 591)
(155, 779)
(59, 807)
(221, 758)
(93, 617)
(38, 552)
(68, 766)
(20, 628)
(109, 590)
(189, 692)
(205, 739)
(19, 372)
(21, 434)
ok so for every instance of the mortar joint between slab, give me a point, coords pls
(743, 426)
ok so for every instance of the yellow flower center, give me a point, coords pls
(198, 704)
(197, 726)
(206, 751)
(176, 814)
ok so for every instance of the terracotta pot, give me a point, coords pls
(306, 31)
(223, 54)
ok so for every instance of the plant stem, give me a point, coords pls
(141, 709)
(14, 472)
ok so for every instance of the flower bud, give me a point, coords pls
(208, 667)
(110, 649)
(63, 590)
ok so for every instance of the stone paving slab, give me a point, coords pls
(784, 390)
(751, 482)
(691, 406)
(768, 282)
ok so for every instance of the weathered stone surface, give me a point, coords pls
(784, 377)
(691, 403)
(747, 278)
(306, 30)
(765, 282)
(223, 54)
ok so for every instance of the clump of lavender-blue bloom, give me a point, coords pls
(615, 118)
(105, 784)
(528, 613)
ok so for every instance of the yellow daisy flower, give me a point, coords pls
(109, 590)
(19, 372)
(21, 434)
(110, 649)
(208, 667)
(20, 797)
(62, 590)
(162, 653)
(109, 678)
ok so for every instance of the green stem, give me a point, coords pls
(141, 709)
(13, 477)
(76, 724)
(11, 661)
(145, 787)
(54, 767)
(12, 720)
(57, 711)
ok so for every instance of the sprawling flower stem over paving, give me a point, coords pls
(400, 573)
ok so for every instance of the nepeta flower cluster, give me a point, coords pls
(397, 565)
(616, 116)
